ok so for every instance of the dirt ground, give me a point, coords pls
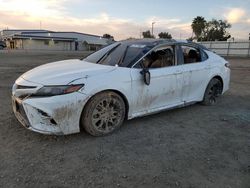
(193, 147)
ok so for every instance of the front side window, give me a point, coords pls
(159, 58)
(133, 53)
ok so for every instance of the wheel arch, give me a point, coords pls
(220, 79)
(125, 100)
(214, 77)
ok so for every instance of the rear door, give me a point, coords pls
(195, 71)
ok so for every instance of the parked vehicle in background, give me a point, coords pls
(2, 45)
(124, 80)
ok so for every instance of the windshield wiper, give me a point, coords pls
(107, 54)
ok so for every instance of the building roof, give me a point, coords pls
(76, 33)
(30, 31)
(53, 35)
(16, 36)
(96, 41)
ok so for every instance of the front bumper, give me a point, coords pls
(57, 115)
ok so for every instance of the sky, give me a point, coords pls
(123, 18)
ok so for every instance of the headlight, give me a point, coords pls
(57, 90)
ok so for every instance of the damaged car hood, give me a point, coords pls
(64, 72)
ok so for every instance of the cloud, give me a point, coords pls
(238, 17)
(240, 30)
(174, 26)
(53, 14)
(38, 8)
(235, 15)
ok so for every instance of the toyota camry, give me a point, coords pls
(124, 80)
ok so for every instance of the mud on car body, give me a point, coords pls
(124, 80)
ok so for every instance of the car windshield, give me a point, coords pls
(123, 54)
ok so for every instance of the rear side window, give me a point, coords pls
(191, 54)
(204, 56)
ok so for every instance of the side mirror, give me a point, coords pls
(146, 76)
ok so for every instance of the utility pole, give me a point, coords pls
(153, 28)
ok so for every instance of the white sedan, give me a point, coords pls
(124, 80)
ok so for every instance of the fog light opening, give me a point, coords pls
(43, 113)
(52, 121)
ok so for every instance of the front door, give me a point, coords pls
(165, 86)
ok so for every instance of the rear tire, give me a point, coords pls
(103, 114)
(213, 91)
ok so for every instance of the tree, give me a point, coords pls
(190, 39)
(217, 30)
(165, 35)
(210, 31)
(147, 34)
(198, 26)
(108, 36)
(131, 38)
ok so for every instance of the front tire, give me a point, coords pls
(213, 91)
(103, 114)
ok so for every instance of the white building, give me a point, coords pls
(51, 40)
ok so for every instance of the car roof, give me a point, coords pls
(156, 42)
(147, 41)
